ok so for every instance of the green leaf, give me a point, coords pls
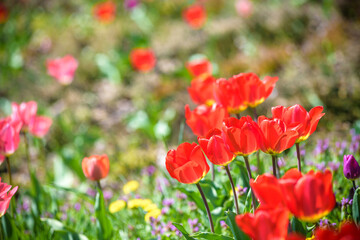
(103, 223)
(356, 207)
(9, 228)
(297, 226)
(183, 231)
(211, 236)
(60, 231)
(244, 174)
(236, 231)
(248, 201)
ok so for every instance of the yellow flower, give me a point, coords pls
(130, 186)
(135, 203)
(153, 213)
(150, 207)
(117, 206)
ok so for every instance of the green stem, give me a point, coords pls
(207, 208)
(298, 156)
(233, 188)
(212, 172)
(258, 162)
(7, 159)
(255, 115)
(238, 115)
(354, 186)
(98, 184)
(27, 151)
(274, 164)
(250, 177)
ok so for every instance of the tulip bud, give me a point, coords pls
(96, 167)
(351, 167)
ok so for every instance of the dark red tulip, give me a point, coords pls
(195, 16)
(265, 224)
(204, 118)
(242, 135)
(227, 94)
(201, 90)
(215, 149)
(276, 137)
(187, 163)
(347, 231)
(297, 118)
(142, 59)
(96, 167)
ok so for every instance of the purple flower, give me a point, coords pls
(351, 167)
(344, 202)
(181, 195)
(253, 168)
(130, 4)
(321, 166)
(194, 224)
(91, 192)
(150, 170)
(165, 210)
(334, 166)
(223, 224)
(192, 206)
(77, 206)
(161, 183)
(323, 223)
(108, 194)
(168, 202)
(281, 162)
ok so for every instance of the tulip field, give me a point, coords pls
(181, 119)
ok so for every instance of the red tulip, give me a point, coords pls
(297, 118)
(26, 114)
(201, 90)
(243, 136)
(276, 137)
(215, 148)
(9, 137)
(199, 66)
(204, 118)
(5, 196)
(4, 13)
(253, 90)
(96, 167)
(308, 197)
(142, 59)
(347, 231)
(227, 93)
(264, 224)
(62, 69)
(195, 16)
(105, 12)
(187, 163)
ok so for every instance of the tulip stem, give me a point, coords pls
(233, 188)
(298, 156)
(207, 208)
(258, 162)
(238, 115)
(26, 141)
(9, 169)
(212, 172)
(98, 185)
(354, 186)
(274, 164)
(250, 177)
(255, 115)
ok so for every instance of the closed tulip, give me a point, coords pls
(351, 167)
(142, 59)
(5, 196)
(9, 138)
(199, 67)
(227, 94)
(297, 118)
(253, 90)
(195, 16)
(201, 90)
(204, 118)
(96, 167)
(62, 69)
(215, 148)
(187, 163)
(242, 135)
(264, 224)
(276, 137)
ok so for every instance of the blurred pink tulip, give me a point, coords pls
(5, 196)
(9, 137)
(26, 114)
(244, 8)
(62, 69)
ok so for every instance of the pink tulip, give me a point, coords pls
(26, 114)
(244, 8)
(5, 196)
(62, 69)
(9, 137)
